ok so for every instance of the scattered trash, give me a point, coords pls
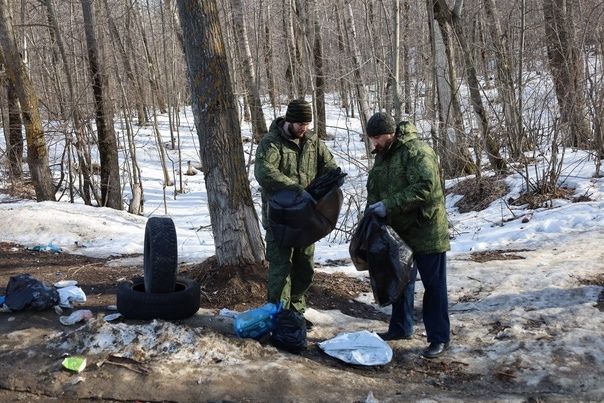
(75, 363)
(58, 310)
(71, 295)
(289, 333)
(113, 316)
(256, 322)
(65, 283)
(51, 247)
(25, 292)
(112, 307)
(10, 319)
(228, 313)
(76, 380)
(370, 398)
(76, 316)
(361, 348)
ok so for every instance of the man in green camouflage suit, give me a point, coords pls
(290, 157)
(404, 187)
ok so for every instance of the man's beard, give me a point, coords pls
(293, 134)
(382, 148)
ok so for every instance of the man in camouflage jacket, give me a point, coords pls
(290, 157)
(404, 187)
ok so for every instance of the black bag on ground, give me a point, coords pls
(289, 333)
(25, 292)
(376, 247)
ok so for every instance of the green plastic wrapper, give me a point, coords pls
(75, 363)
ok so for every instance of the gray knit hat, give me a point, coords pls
(380, 123)
(299, 111)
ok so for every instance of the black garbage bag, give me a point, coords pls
(289, 333)
(297, 221)
(377, 248)
(25, 292)
(321, 185)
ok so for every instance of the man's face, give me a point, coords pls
(382, 142)
(297, 130)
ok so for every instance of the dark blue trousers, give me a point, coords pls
(433, 272)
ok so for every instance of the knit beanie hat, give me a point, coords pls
(380, 123)
(299, 111)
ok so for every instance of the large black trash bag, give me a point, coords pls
(376, 247)
(25, 292)
(321, 185)
(289, 333)
(297, 221)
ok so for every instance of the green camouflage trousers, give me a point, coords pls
(290, 273)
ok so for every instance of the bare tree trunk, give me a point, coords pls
(15, 135)
(452, 146)
(255, 103)
(82, 150)
(452, 17)
(505, 79)
(342, 83)
(395, 64)
(293, 53)
(320, 126)
(361, 90)
(234, 220)
(567, 66)
(268, 57)
(37, 154)
(406, 66)
(153, 78)
(111, 192)
(132, 83)
(144, 118)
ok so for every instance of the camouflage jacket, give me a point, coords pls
(406, 178)
(283, 164)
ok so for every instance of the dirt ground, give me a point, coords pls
(236, 369)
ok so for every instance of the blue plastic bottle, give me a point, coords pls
(256, 322)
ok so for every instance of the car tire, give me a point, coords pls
(134, 303)
(160, 258)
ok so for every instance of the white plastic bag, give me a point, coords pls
(76, 316)
(360, 348)
(69, 295)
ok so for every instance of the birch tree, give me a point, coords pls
(249, 74)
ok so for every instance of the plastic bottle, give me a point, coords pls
(256, 322)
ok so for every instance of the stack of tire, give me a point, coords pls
(160, 294)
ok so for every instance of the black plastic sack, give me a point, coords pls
(377, 248)
(321, 185)
(297, 221)
(289, 333)
(25, 292)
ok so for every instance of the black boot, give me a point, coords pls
(435, 350)
(394, 336)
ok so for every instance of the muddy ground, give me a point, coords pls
(192, 361)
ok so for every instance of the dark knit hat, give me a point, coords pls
(380, 123)
(299, 111)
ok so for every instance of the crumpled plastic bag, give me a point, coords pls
(71, 295)
(25, 292)
(76, 316)
(359, 348)
(376, 247)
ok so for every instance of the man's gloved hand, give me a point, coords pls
(379, 209)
